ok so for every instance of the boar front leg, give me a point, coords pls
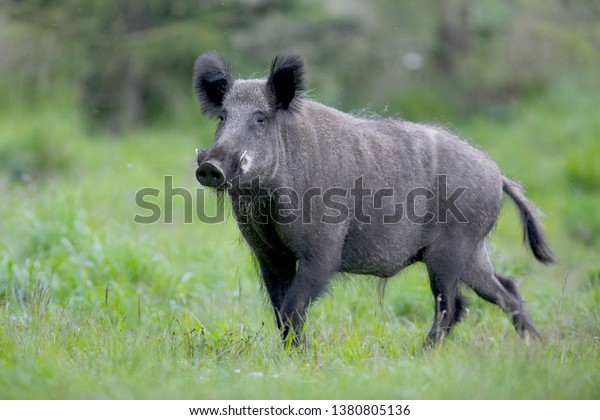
(312, 278)
(277, 274)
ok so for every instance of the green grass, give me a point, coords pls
(93, 305)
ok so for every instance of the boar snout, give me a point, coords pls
(210, 174)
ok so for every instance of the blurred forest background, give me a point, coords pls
(96, 103)
(128, 63)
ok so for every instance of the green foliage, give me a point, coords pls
(583, 220)
(131, 62)
(423, 106)
(93, 305)
(583, 167)
(42, 147)
(33, 153)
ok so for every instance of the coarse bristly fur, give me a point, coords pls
(271, 133)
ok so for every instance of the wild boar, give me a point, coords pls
(317, 191)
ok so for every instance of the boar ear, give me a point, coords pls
(211, 82)
(286, 80)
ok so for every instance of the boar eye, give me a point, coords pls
(221, 118)
(259, 117)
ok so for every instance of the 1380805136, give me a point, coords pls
(370, 410)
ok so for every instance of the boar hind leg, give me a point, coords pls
(481, 276)
(444, 268)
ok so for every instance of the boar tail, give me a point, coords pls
(532, 227)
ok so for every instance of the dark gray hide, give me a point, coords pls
(339, 193)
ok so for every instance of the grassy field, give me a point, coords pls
(93, 305)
